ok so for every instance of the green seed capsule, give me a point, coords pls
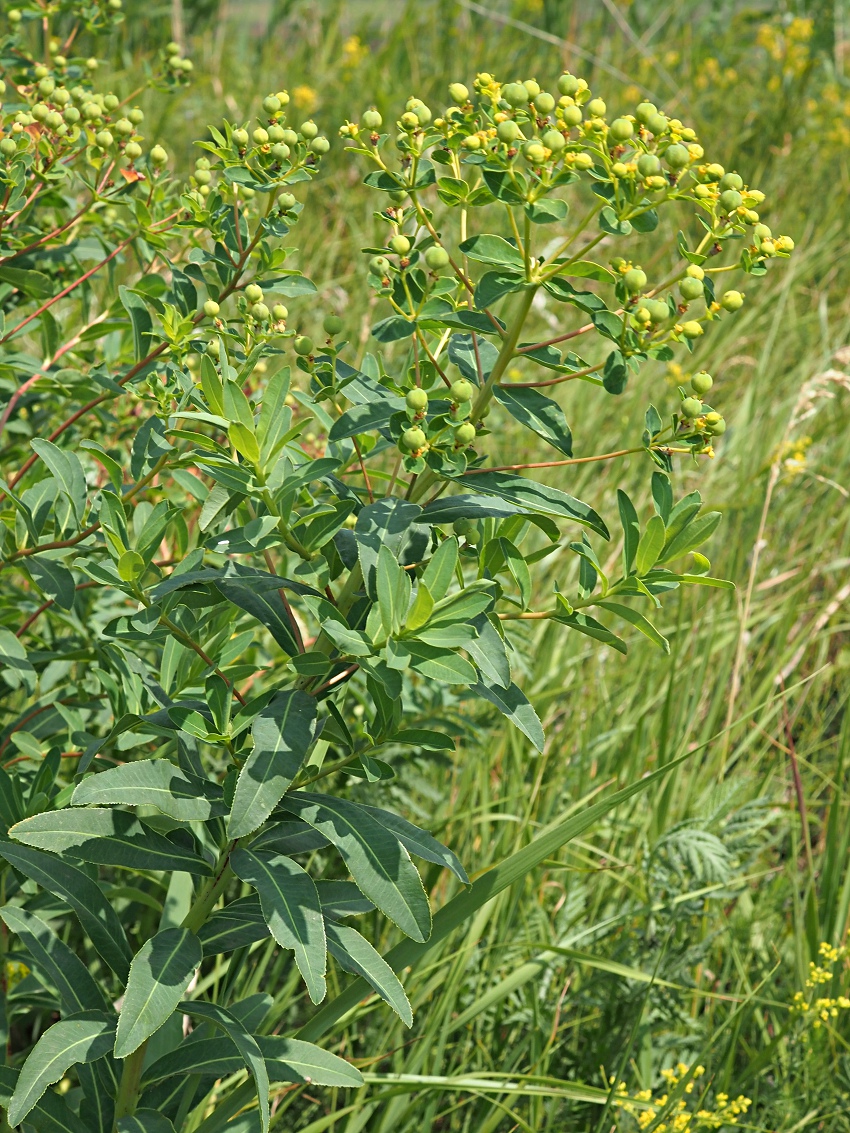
(279, 313)
(596, 108)
(621, 129)
(260, 312)
(695, 272)
(507, 131)
(380, 266)
(648, 165)
(413, 439)
(400, 245)
(762, 232)
(544, 103)
(417, 400)
(104, 139)
(732, 301)
(132, 150)
(436, 258)
(309, 129)
(657, 124)
(271, 104)
(701, 383)
(553, 140)
(54, 120)
(461, 391)
(458, 93)
(572, 115)
(71, 115)
(583, 161)
(465, 434)
(241, 138)
(717, 428)
(676, 156)
(635, 280)
(40, 111)
(280, 152)
(303, 345)
(691, 407)
(692, 329)
(211, 308)
(213, 348)
(286, 202)
(275, 133)
(8, 147)
(568, 84)
(320, 145)
(731, 181)
(515, 94)
(332, 324)
(260, 136)
(371, 119)
(532, 88)
(644, 111)
(253, 293)
(534, 153)
(463, 527)
(691, 289)
(730, 199)
(111, 102)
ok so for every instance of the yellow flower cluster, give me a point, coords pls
(15, 972)
(681, 1118)
(788, 46)
(815, 1010)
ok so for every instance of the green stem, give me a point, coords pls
(210, 891)
(129, 1087)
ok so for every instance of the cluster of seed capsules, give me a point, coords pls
(453, 427)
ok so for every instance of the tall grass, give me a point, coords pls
(679, 929)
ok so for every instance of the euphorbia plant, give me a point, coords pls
(230, 586)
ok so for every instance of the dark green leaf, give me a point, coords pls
(493, 250)
(153, 782)
(513, 703)
(161, 971)
(531, 496)
(539, 413)
(355, 954)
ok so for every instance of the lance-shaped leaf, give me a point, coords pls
(514, 704)
(159, 975)
(51, 1114)
(637, 619)
(97, 917)
(237, 925)
(145, 1121)
(53, 959)
(531, 496)
(246, 1044)
(106, 837)
(379, 864)
(153, 782)
(291, 908)
(417, 841)
(539, 413)
(356, 955)
(283, 733)
(79, 1038)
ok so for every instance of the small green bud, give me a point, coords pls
(717, 428)
(260, 312)
(532, 88)
(286, 201)
(371, 119)
(158, 155)
(111, 102)
(104, 139)
(694, 271)
(309, 129)
(692, 329)
(544, 103)
(253, 293)
(458, 93)
(644, 111)
(241, 138)
(731, 181)
(332, 324)
(54, 120)
(136, 116)
(732, 301)
(621, 129)
(124, 127)
(275, 133)
(691, 289)
(413, 439)
(762, 232)
(676, 156)
(635, 280)
(436, 258)
(701, 383)
(132, 151)
(14, 16)
(463, 527)
(461, 391)
(187, 65)
(320, 145)
(172, 48)
(71, 115)
(8, 147)
(271, 104)
(730, 199)
(40, 111)
(213, 347)
(290, 138)
(534, 153)
(596, 108)
(417, 400)
(280, 152)
(279, 313)
(785, 244)
(46, 87)
(400, 245)
(691, 407)
(572, 115)
(303, 345)
(202, 176)
(583, 161)
(211, 308)
(260, 136)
